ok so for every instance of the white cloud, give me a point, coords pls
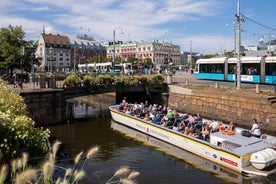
(140, 20)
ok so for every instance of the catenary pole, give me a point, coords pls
(238, 71)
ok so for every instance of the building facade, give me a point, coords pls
(64, 53)
(54, 52)
(160, 53)
(83, 48)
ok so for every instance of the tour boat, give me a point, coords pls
(246, 155)
(198, 162)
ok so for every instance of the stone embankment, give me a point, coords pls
(239, 106)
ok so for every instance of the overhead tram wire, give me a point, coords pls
(258, 23)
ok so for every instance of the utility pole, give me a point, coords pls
(235, 39)
(238, 71)
(191, 54)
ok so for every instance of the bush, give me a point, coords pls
(158, 78)
(18, 133)
(72, 80)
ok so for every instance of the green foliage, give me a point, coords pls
(18, 133)
(72, 80)
(11, 42)
(97, 59)
(158, 78)
(105, 80)
(60, 76)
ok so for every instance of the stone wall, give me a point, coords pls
(225, 106)
(46, 107)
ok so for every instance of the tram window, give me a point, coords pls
(270, 69)
(251, 69)
(232, 68)
(211, 68)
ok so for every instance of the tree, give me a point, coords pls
(11, 42)
(207, 56)
(98, 59)
(132, 60)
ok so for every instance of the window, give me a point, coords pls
(211, 68)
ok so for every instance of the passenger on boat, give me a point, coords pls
(186, 130)
(255, 130)
(121, 107)
(193, 131)
(129, 111)
(153, 109)
(146, 105)
(190, 118)
(198, 117)
(205, 133)
(221, 127)
(163, 110)
(213, 125)
(124, 101)
(231, 126)
(182, 125)
(147, 117)
(157, 118)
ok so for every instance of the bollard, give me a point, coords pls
(217, 85)
(187, 82)
(257, 88)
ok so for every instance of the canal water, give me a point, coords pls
(156, 161)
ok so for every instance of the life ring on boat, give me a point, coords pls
(228, 132)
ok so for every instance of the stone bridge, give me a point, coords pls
(48, 106)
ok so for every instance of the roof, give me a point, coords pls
(56, 39)
(85, 40)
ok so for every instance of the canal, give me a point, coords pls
(155, 160)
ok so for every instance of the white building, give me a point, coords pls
(160, 53)
(54, 52)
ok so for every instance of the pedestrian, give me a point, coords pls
(15, 82)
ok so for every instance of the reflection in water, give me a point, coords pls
(121, 146)
(91, 106)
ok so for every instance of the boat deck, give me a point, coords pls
(237, 143)
(253, 171)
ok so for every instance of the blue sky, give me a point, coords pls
(205, 26)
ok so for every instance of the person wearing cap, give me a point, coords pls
(255, 130)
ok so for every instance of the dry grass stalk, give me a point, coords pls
(78, 175)
(25, 158)
(126, 181)
(48, 170)
(55, 147)
(25, 176)
(92, 151)
(19, 164)
(133, 175)
(3, 173)
(78, 158)
(14, 166)
(122, 171)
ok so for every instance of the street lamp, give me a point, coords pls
(113, 56)
(51, 61)
(21, 62)
(33, 69)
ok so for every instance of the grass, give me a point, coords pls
(21, 173)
